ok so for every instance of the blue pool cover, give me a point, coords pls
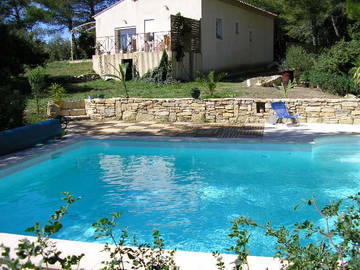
(24, 137)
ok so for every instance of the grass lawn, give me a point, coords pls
(64, 72)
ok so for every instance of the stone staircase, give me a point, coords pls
(74, 110)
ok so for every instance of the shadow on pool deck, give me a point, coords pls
(166, 129)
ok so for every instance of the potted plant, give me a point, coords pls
(287, 76)
(195, 92)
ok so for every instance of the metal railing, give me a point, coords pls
(143, 42)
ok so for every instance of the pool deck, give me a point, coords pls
(304, 133)
(184, 260)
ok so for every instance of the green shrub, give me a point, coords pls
(298, 59)
(340, 58)
(57, 92)
(333, 83)
(37, 81)
(12, 106)
(309, 246)
(211, 80)
(161, 74)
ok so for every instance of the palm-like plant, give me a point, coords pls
(356, 73)
(285, 88)
(211, 81)
(121, 76)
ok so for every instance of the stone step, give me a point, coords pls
(78, 117)
(73, 112)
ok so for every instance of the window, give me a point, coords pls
(237, 30)
(250, 36)
(219, 28)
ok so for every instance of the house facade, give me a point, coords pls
(233, 35)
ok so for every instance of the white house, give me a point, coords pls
(233, 34)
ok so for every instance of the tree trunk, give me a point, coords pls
(334, 26)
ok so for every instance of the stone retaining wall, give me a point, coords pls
(331, 111)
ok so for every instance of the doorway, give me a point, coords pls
(129, 70)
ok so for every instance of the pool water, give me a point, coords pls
(190, 191)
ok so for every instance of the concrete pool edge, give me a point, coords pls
(184, 259)
(43, 149)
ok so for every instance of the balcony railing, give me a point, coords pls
(143, 42)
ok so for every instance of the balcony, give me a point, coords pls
(126, 42)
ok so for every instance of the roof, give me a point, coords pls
(109, 7)
(239, 1)
(256, 8)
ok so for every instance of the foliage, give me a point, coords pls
(333, 246)
(180, 45)
(211, 81)
(120, 75)
(340, 58)
(356, 74)
(57, 92)
(333, 83)
(286, 87)
(161, 74)
(36, 78)
(145, 256)
(85, 43)
(353, 9)
(298, 59)
(29, 252)
(58, 49)
(12, 106)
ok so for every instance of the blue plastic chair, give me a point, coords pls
(282, 112)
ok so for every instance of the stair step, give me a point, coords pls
(73, 112)
(78, 117)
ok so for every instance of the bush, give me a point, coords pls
(57, 92)
(161, 74)
(340, 58)
(298, 59)
(58, 49)
(333, 83)
(37, 81)
(12, 106)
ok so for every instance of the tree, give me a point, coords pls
(353, 9)
(22, 14)
(18, 52)
(90, 7)
(58, 49)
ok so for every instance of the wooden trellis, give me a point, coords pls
(187, 32)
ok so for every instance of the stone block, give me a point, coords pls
(198, 117)
(129, 116)
(313, 109)
(346, 121)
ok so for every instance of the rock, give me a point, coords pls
(264, 81)
(350, 96)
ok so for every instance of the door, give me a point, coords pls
(125, 38)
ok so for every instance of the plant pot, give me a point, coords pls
(195, 93)
(287, 76)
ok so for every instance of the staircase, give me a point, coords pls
(74, 110)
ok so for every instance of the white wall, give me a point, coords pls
(135, 12)
(234, 50)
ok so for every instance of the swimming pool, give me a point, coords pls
(190, 191)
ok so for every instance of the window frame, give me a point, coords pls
(219, 28)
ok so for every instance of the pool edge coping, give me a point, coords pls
(186, 260)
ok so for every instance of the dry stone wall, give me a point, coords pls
(331, 111)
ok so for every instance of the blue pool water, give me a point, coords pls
(189, 191)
